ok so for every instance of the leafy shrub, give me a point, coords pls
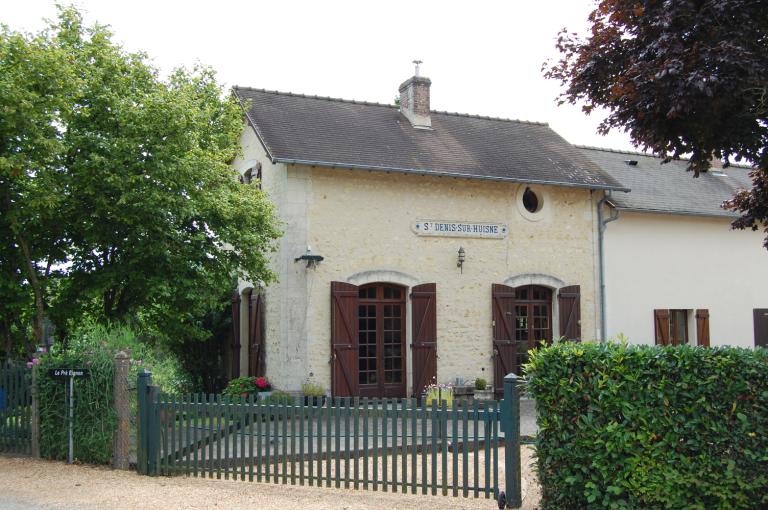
(312, 390)
(651, 427)
(280, 397)
(480, 384)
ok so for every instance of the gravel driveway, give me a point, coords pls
(27, 484)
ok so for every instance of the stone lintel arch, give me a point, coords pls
(543, 280)
(385, 276)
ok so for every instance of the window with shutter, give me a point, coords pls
(702, 327)
(424, 331)
(344, 330)
(661, 326)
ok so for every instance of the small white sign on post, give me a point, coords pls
(445, 228)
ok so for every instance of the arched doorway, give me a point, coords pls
(381, 340)
(533, 319)
(522, 317)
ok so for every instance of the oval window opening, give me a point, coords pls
(530, 200)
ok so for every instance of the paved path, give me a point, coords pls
(43, 485)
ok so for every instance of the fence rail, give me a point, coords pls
(15, 409)
(358, 443)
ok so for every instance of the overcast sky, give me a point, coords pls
(484, 57)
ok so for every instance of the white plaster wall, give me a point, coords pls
(284, 300)
(361, 221)
(684, 262)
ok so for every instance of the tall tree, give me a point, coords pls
(683, 77)
(116, 192)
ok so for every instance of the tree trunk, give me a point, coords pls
(37, 288)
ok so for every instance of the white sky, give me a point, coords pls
(484, 57)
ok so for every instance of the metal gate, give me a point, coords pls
(370, 444)
(15, 409)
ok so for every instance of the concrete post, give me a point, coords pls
(122, 443)
(35, 426)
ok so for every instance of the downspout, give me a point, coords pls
(602, 222)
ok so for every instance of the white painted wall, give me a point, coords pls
(684, 262)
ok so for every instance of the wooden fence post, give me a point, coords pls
(142, 441)
(35, 425)
(121, 448)
(510, 424)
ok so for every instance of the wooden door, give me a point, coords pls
(381, 340)
(761, 327)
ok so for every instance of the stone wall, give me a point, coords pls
(362, 223)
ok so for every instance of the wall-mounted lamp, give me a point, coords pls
(312, 260)
(462, 256)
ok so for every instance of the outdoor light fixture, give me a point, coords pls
(312, 260)
(462, 256)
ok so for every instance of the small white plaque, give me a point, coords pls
(444, 228)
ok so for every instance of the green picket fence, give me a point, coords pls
(15, 409)
(360, 443)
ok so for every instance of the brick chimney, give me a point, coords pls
(414, 100)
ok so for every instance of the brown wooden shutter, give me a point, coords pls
(344, 327)
(256, 365)
(569, 303)
(424, 346)
(504, 345)
(702, 327)
(661, 326)
(235, 335)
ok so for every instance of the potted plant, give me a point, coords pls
(482, 391)
(245, 386)
(314, 394)
(436, 392)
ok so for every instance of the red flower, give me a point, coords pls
(261, 383)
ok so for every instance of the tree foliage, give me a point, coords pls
(116, 198)
(683, 77)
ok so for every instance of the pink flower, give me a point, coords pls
(29, 364)
(35, 361)
(261, 383)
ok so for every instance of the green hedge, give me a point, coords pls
(651, 427)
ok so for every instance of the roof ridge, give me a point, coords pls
(373, 103)
(651, 155)
(312, 96)
(617, 151)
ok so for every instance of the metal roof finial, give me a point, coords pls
(417, 62)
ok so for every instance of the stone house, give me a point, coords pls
(419, 245)
(675, 272)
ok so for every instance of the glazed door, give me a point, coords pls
(533, 321)
(381, 341)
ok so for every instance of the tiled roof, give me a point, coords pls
(297, 128)
(668, 188)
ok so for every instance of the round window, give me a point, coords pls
(531, 201)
